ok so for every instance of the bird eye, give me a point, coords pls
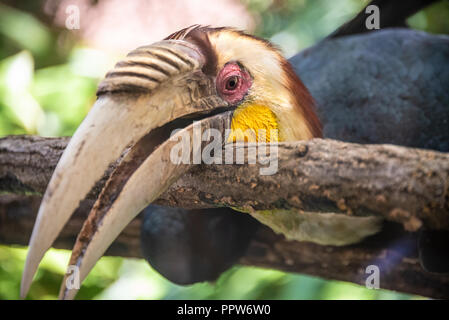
(233, 82)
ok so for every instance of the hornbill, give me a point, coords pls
(221, 77)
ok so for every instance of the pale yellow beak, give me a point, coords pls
(151, 92)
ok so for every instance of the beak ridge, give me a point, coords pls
(152, 86)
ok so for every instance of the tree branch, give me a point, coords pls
(403, 185)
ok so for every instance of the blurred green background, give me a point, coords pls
(48, 79)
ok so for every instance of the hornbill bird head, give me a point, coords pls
(221, 76)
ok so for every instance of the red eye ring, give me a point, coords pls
(233, 82)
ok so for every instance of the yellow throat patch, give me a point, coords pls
(254, 123)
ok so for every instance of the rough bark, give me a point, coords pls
(404, 185)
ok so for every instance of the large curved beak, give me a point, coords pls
(153, 91)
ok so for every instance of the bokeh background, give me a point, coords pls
(48, 79)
